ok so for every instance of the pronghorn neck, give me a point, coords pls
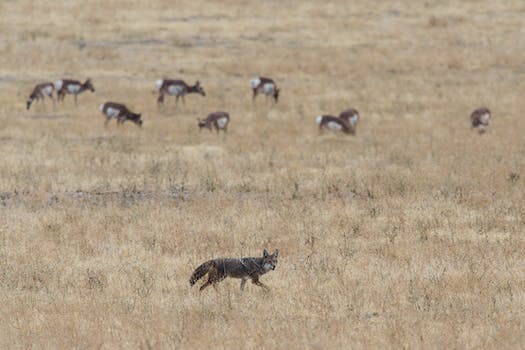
(195, 89)
(86, 86)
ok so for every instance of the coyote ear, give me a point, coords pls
(265, 253)
(276, 253)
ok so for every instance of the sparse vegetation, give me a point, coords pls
(409, 234)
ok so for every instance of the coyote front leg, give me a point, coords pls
(255, 280)
(243, 282)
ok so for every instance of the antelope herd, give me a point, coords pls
(346, 122)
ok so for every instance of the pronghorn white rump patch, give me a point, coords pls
(112, 112)
(58, 84)
(268, 88)
(221, 122)
(485, 119)
(175, 90)
(334, 126)
(73, 88)
(101, 107)
(319, 119)
(158, 84)
(255, 82)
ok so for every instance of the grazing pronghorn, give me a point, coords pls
(333, 124)
(266, 86)
(75, 87)
(351, 116)
(217, 120)
(41, 90)
(120, 112)
(178, 88)
(480, 119)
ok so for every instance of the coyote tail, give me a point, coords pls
(201, 271)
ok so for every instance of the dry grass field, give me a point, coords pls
(410, 234)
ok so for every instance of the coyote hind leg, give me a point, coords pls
(208, 283)
(213, 279)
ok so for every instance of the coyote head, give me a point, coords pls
(270, 261)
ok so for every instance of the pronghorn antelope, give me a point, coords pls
(74, 87)
(351, 116)
(333, 123)
(217, 120)
(120, 112)
(266, 86)
(178, 88)
(480, 119)
(41, 90)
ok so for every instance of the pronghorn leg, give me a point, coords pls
(40, 98)
(75, 99)
(243, 282)
(53, 99)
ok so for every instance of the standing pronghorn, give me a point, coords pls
(179, 88)
(266, 86)
(480, 119)
(75, 87)
(351, 116)
(333, 124)
(120, 112)
(41, 90)
(217, 120)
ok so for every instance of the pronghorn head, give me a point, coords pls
(198, 88)
(135, 118)
(270, 261)
(203, 124)
(89, 85)
(29, 101)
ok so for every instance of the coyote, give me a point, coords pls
(243, 268)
